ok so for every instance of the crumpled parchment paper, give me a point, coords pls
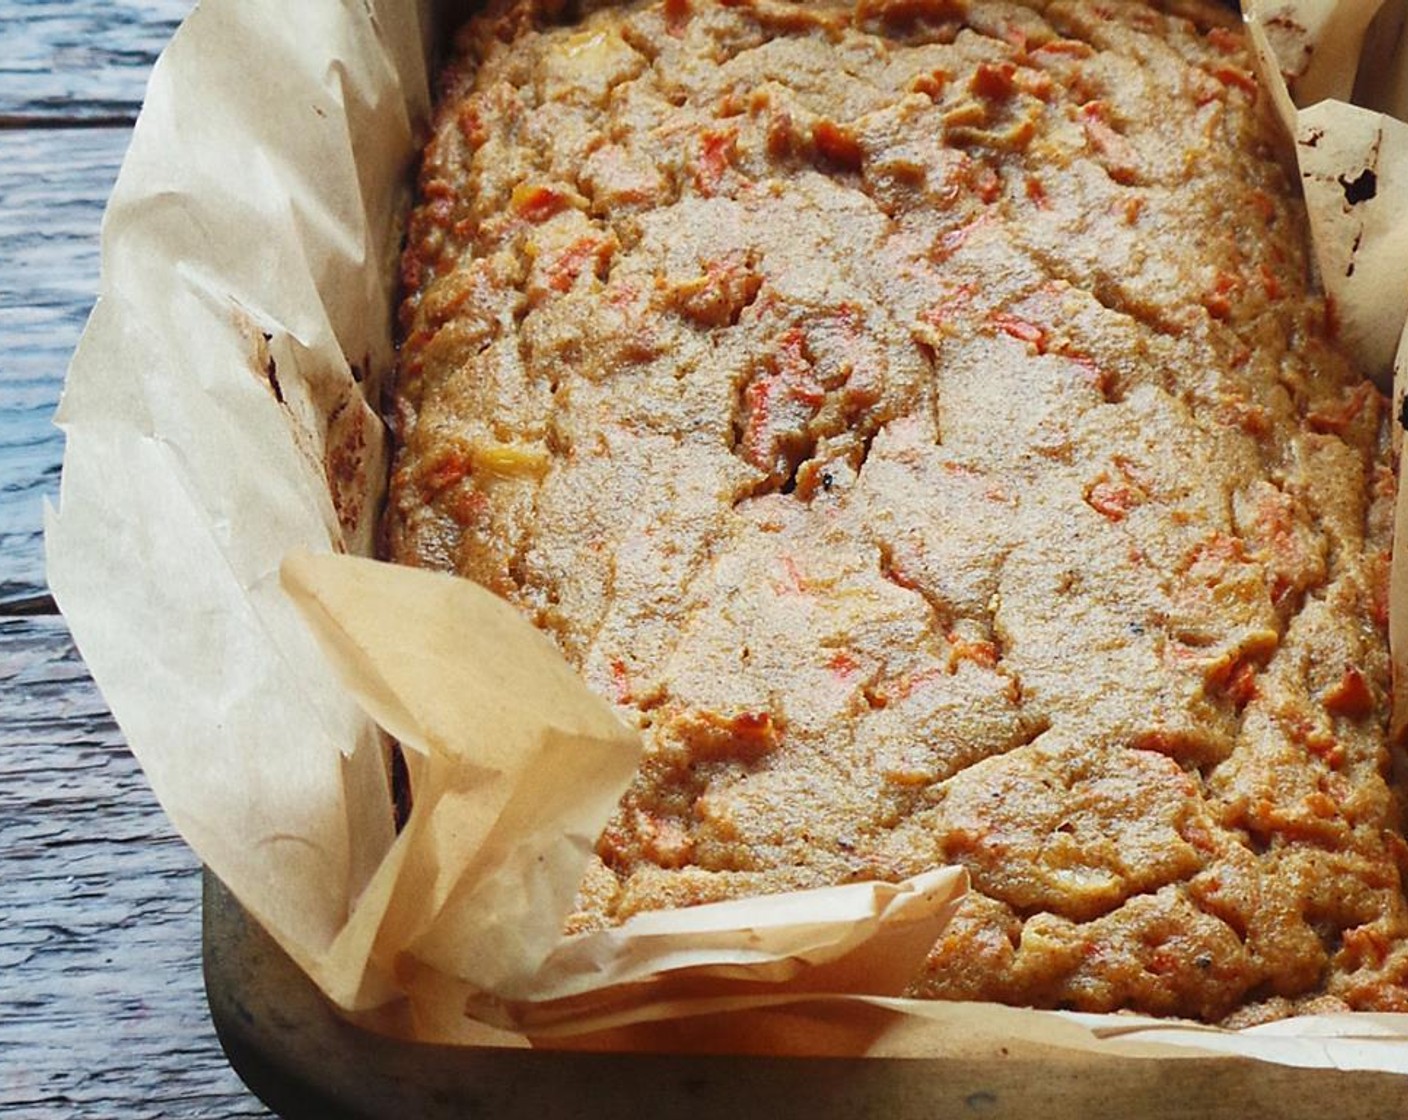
(224, 447)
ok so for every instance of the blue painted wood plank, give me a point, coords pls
(67, 61)
(53, 187)
(100, 924)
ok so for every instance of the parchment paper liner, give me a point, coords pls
(218, 421)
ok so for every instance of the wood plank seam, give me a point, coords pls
(13, 121)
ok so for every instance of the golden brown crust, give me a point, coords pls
(915, 416)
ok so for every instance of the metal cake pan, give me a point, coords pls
(291, 1048)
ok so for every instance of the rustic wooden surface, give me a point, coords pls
(73, 62)
(53, 183)
(104, 1013)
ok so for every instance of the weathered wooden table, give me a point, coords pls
(102, 1011)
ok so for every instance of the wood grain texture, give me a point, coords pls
(53, 187)
(69, 62)
(100, 935)
(104, 1013)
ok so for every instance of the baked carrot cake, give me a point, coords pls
(918, 418)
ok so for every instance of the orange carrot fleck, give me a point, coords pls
(562, 273)
(1235, 76)
(537, 203)
(620, 681)
(676, 17)
(1225, 40)
(838, 145)
(715, 156)
(993, 80)
(1021, 329)
(1111, 499)
(1351, 697)
(843, 665)
(987, 184)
